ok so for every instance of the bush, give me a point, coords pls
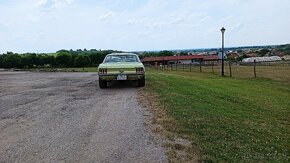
(82, 61)
(11, 61)
(63, 58)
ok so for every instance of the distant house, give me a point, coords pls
(252, 55)
(233, 55)
(212, 53)
(286, 57)
(261, 59)
(278, 53)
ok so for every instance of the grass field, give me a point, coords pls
(227, 119)
(278, 72)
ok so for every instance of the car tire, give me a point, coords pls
(102, 83)
(141, 82)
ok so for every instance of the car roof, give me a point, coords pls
(122, 54)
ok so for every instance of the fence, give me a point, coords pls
(274, 70)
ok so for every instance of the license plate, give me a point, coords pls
(122, 77)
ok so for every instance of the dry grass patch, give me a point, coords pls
(178, 148)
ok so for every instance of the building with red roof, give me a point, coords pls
(165, 60)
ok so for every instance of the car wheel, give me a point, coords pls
(141, 82)
(102, 83)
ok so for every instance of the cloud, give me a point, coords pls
(48, 5)
(140, 25)
(3, 25)
(239, 26)
(131, 22)
(108, 15)
(205, 19)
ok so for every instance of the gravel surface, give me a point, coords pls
(65, 117)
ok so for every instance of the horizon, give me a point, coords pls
(213, 48)
(46, 26)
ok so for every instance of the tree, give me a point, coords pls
(240, 58)
(11, 61)
(48, 60)
(96, 57)
(148, 54)
(82, 61)
(63, 58)
(1, 61)
(183, 54)
(166, 53)
(25, 61)
(263, 52)
(34, 59)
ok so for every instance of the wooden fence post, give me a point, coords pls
(230, 66)
(171, 67)
(176, 66)
(212, 64)
(190, 67)
(182, 66)
(255, 74)
(200, 65)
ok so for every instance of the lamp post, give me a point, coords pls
(223, 50)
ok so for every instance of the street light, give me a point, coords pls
(223, 50)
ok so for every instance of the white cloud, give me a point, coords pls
(239, 26)
(132, 22)
(108, 15)
(52, 4)
(3, 25)
(47, 25)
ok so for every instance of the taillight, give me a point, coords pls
(103, 71)
(139, 70)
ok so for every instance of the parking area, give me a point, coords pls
(51, 117)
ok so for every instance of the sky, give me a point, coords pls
(140, 25)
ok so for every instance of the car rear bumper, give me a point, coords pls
(109, 77)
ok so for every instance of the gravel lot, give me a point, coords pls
(65, 117)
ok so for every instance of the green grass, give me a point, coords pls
(228, 119)
(276, 72)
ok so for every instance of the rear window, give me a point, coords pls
(121, 58)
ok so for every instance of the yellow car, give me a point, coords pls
(121, 66)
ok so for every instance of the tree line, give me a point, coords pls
(62, 58)
(82, 58)
(159, 54)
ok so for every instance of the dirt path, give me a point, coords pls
(55, 117)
